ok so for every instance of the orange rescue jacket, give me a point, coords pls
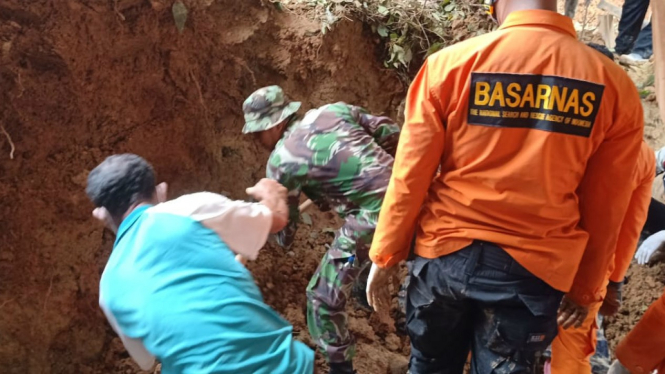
(636, 216)
(536, 135)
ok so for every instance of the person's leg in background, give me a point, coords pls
(644, 44)
(570, 6)
(632, 17)
(330, 288)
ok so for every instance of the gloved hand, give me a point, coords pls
(652, 249)
(612, 301)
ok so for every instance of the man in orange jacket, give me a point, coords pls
(531, 146)
(573, 347)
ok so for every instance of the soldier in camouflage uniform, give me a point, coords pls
(341, 157)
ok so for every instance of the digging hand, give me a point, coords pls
(571, 314)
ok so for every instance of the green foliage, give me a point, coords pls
(408, 27)
(644, 93)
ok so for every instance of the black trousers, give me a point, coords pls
(631, 37)
(478, 299)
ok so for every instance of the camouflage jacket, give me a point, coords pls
(340, 156)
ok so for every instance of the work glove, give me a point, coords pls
(378, 290)
(652, 249)
(612, 301)
(571, 314)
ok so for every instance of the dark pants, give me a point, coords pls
(478, 299)
(655, 218)
(631, 37)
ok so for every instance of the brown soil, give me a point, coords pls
(82, 79)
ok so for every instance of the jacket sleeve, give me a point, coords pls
(383, 129)
(636, 216)
(417, 158)
(286, 237)
(605, 193)
(229, 219)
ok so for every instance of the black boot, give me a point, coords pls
(341, 368)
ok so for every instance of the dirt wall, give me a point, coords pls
(82, 79)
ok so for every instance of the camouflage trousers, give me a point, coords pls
(331, 284)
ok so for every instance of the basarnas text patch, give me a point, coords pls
(541, 102)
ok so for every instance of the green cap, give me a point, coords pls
(266, 108)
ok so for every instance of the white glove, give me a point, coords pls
(649, 247)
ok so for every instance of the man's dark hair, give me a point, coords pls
(119, 182)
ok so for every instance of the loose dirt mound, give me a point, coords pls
(645, 285)
(82, 79)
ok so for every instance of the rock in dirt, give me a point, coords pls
(179, 15)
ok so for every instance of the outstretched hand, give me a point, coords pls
(267, 189)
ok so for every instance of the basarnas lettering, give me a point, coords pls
(541, 102)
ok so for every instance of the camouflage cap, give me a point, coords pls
(266, 108)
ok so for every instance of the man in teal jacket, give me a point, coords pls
(172, 288)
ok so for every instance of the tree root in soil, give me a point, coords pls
(11, 143)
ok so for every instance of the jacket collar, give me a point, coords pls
(539, 18)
